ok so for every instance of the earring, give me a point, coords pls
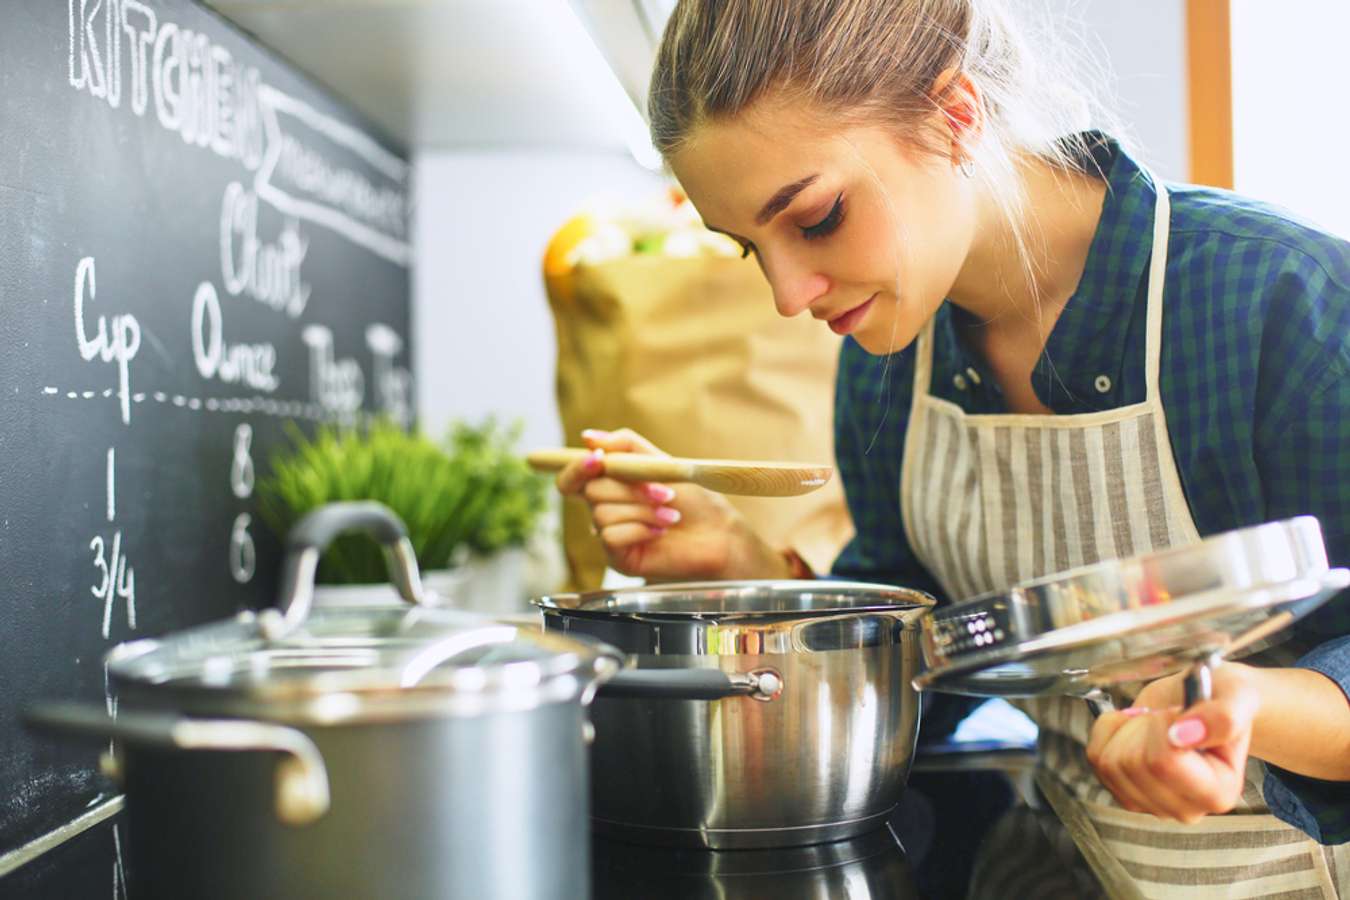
(967, 168)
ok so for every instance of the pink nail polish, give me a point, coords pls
(659, 493)
(1133, 711)
(594, 460)
(1186, 733)
(668, 515)
(594, 434)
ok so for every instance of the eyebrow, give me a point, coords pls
(780, 201)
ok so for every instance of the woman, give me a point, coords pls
(1051, 359)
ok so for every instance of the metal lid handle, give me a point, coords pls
(312, 535)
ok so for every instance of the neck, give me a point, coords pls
(1058, 219)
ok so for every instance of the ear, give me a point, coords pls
(958, 101)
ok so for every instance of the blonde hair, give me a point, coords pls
(868, 61)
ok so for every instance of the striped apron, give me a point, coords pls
(991, 500)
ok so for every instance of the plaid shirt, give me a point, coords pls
(1255, 381)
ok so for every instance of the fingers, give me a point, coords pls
(1114, 736)
(610, 490)
(625, 440)
(606, 515)
(1105, 728)
(1179, 784)
(1215, 723)
(626, 534)
(574, 477)
(1138, 762)
(622, 514)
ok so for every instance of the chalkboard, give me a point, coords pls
(196, 246)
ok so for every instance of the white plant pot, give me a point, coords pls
(446, 584)
(493, 585)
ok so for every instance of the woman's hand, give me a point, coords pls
(1181, 765)
(660, 532)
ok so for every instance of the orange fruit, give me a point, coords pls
(558, 256)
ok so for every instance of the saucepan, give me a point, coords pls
(754, 713)
(384, 751)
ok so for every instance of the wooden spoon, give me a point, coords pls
(726, 476)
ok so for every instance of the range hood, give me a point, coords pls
(627, 33)
(448, 74)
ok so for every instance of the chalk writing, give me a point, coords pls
(393, 383)
(243, 556)
(299, 182)
(118, 579)
(199, 90)
(267, 272)
(250, 364)
(337, 385)
(241, 469)
(117, 340)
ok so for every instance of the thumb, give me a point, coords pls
(1213, 723)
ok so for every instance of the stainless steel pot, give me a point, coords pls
(382, 751)
(759, 714)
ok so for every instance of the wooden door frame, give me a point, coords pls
(1209, 65)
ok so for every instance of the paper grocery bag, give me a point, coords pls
(691, 353)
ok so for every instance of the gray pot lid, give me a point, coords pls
(356, 663)
(726, 601)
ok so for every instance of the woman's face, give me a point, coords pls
(849, 224)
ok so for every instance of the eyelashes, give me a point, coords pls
(824, 228)
(827, 225)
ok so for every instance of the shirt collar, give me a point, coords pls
(1084, 365)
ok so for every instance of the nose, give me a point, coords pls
(794, 288)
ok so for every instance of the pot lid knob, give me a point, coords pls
(311, 536)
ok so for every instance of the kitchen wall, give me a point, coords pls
(483, 334)
(484, 338)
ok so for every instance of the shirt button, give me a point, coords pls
(960, 382)
(1102, 384)
(974, 375)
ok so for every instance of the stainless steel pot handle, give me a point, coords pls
(302, 795)
(306, 542)
(693, 684)
(1196, 687)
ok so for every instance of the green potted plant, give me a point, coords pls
(470, 503)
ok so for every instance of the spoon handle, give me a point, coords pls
(623, 466)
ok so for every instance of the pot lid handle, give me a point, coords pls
(312, 535)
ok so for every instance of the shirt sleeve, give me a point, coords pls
(1319, 808)
(871, 412)
(1303, 455)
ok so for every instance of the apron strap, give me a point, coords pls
(1157, 274)
(923, 357)
(1112, 875)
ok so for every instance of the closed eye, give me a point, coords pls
(828, 224)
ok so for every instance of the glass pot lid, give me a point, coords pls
(1132, 619)
(382, 660)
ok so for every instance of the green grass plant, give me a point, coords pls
(470, 493)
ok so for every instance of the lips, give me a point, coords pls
(849, 321)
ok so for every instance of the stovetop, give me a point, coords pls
(871, 866)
